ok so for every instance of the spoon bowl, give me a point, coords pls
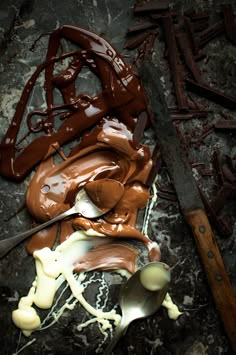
(141, 296)
(83, 206)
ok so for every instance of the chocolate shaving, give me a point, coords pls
(210, 93)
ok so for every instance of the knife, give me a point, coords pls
(190, 202)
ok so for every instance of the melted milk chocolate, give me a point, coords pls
(106, 150)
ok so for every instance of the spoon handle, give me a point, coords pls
(9, 243)
(121, 328)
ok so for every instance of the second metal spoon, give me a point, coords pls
(141, 296)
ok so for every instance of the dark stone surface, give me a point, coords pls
(198, 330)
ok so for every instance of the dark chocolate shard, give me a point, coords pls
(206, 172)
(140, 127)
(173, 58)
(185, 46)
(216, 162)
(190, 12)
(228, 174)
(157, 162)
(229, 22)
(210, 33)
(200, 25)
(169, 188)
(137, 40)
(225, 125)
(199, 16)
(190, 114)
(210, 93)
(159, 5)
(189, 29)
(224, 229)
(142, 26)
(167, 196)
(226, 192)
(161, 14)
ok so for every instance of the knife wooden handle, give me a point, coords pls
(218, 279)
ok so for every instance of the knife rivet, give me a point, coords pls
(219, 277)
(210, 254)
(202, 229)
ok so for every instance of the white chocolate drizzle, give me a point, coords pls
(52, 268)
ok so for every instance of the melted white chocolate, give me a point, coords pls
(172, 309)
(49, 266)
(25, 317)
(153, 277)
(53, 267)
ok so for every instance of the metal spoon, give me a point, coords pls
(136, 301)
(83, 206)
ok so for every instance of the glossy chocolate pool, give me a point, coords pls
(107, 149)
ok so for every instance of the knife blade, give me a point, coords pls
(174, 156)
